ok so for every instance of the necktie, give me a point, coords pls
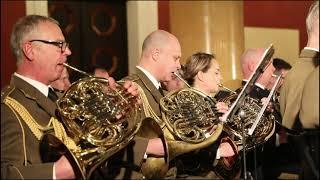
(52, 95)
(161, 91)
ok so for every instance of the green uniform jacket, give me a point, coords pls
(17, 140)
(309, 110)
(152, 93)
(291, 91)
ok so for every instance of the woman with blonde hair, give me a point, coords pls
(202, 72)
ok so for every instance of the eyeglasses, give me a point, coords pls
(62, 45)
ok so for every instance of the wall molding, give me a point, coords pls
(37, 7)
(142, 19)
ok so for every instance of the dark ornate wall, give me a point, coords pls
(97, 32)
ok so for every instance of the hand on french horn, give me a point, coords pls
(155, 147)
(132, 89)
(222, 107)
(225, 150)
(63, 169)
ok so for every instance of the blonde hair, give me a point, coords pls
(312, 19)
(195, 63)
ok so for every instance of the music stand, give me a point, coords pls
(264, 61)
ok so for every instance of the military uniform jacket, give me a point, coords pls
(309, 110)
(291, 90)
(152, 93)
(20, 155)
(153, 96)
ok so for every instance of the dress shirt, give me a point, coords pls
(44, 89)
(310, 48)
(154, 81)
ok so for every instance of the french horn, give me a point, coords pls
(99, 121)
(191, 123)
(251, 107)
(246, 118)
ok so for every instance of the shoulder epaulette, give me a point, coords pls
(6, 91)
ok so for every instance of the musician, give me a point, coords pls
(39, 62)
(249, 61)
(202, 72)
(160, 58)
(283, 67)
(291, 98)
(293, 86)
(27, 104)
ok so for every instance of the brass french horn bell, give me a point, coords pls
(185, 131)
(98, 120)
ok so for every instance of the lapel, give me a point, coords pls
(32, 93)
(149, 86)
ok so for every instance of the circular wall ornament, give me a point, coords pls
(113, 21)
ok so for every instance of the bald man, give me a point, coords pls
(249, 62)
(160, 58)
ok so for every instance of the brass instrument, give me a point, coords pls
(195, 113)
(264, 107)
(190, 121)
(226, 89)
(258, 126)
(251, 108)
(226, 167)
(99, 120)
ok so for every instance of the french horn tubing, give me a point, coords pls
(98, 119)
(190, 121)
(256, 131)
(226, 89)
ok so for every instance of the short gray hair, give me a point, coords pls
(22, 28)
(313, 16)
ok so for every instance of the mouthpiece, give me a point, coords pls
(75, 69)
(184, 81)
(227, 89)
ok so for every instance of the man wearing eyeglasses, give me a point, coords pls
(26, 105)
(40, 50)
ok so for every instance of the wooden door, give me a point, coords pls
(97, 33)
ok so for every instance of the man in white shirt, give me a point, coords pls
(27, 112)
